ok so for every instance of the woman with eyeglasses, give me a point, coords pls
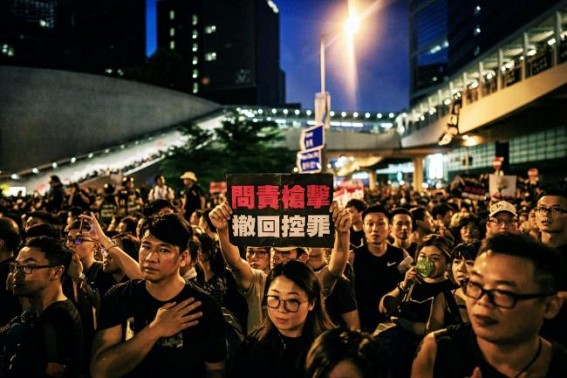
(449, 306)
(296, 316)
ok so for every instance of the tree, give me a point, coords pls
(239, 146)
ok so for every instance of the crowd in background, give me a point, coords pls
(399, 271)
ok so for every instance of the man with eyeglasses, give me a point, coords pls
(90, 282)
(551, 219)
(503, 217)
(47, 339)
(512, 290)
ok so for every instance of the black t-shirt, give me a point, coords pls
(340, 301)
(418, 306)
(458, 354)
(183, 355)
(9, 303)
(356, 238)
(276, 356)
(192, 199)
(54, 337)
(374, 277)
(556, 329)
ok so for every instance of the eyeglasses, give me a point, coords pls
(553, 211)
(77, 241)
(503, 222)
(27, 269)
(290, 305)
(499, 298)
(258, 253)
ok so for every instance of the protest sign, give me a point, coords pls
(281, 210)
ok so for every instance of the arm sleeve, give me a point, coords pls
(111, 309)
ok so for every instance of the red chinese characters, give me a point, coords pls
(318, 196)
(294, 197)
(268, 196)
(243, 196)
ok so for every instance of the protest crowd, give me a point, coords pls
(124, 282)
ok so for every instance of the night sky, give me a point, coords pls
(381, 80)
(381, 47)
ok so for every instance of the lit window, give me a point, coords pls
(195, 87)
(195, 74)
(211, 56)
(195, 60)
(195, 47)
(172, 32)
(172, 15)
(194, 20)
(172, 45)
(210, 29)
(195, 34)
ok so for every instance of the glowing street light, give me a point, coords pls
(323, 99)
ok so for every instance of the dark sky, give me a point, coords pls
(380, 83)
(381, 48)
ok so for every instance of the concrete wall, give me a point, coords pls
(46, 115)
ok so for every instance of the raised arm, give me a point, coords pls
(243, 274)
(127, 264)
(340, 253)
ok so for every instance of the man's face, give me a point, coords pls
(160, 181)
(401, 224)
(160, 260)
(33, 283)
(501, 222)
(507, 274)
(427, 224)
(376, 228)
(280, 256)
(446, 220)
(258, 257)
(551, 214)
(316, 258)
(80, 244)
(355, 214)
(108, 263)
(187, 182)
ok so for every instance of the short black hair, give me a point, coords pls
(440, 209)
(10, 233)
(556, 191)
(153, 207)
(375, 209)
(466, 251)
(55, 252)
(169, 228)
(399, 210)
(546, 260)
(358, 204)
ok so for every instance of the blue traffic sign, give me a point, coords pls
(312, 138)
(309, 162)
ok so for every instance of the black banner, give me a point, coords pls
(281, 210)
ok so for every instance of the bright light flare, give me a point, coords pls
(352, 25)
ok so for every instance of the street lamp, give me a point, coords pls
(323, 98)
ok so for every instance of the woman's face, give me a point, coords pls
(438, 259)
(461, 268)
(289, 323)
(469, 233)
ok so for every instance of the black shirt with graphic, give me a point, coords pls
(182, 355)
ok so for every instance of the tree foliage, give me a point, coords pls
(239, 146)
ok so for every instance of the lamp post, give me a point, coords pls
(323, 98)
